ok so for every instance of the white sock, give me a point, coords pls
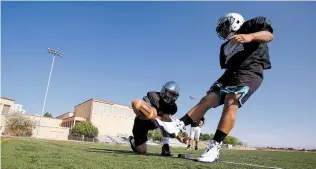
(165, 140)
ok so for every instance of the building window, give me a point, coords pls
(5, 109)
(108, 108)
(104, 108)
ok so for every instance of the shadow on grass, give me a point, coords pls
(125, 152)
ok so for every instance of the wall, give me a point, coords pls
(84, 109)
(66, 115)
(46, 121)
(49, 130)
(2, 126)
(54, 133)
(112, 119)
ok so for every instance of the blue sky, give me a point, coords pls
(117, 51)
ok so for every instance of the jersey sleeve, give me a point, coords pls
(152, 98)
(260, 24)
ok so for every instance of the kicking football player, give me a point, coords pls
(245, 56)
(160, 105)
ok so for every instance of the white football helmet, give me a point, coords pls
(228, 24)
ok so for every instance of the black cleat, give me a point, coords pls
(132, 145)
(166, 150)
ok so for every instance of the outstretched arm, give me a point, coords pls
(262, 36)
(262, 31)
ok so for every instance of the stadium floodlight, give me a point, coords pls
(55, 53)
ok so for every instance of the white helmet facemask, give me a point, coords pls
(228, 24)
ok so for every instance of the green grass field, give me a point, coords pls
(38, 154)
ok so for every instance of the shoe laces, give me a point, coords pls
(213, 144)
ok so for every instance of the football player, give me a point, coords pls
(195, 133)
(160, 105)
(245, 56)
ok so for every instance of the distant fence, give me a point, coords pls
(79, 138)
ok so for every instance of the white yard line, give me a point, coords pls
(254, 165)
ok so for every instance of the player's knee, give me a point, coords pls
(142, 149)
(231, 105)
(232, 99)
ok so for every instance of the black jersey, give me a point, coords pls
(197, 123)
(154, 99)
(253, 56)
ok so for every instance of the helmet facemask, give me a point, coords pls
(170, 92)
(224, 27)
(169, 96)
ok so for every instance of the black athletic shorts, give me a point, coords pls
(140, 130)
(238, 82)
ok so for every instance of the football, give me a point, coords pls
(143, 110)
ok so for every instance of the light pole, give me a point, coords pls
(54, 53)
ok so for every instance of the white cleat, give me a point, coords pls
(170, 128)
(211, 154)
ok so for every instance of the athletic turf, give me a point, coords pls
(37, 154)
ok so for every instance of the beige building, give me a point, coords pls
(50, 127)
(7, 105)
(110, 118)
(69, 119)
(65, 115)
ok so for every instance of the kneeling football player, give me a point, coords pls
(160, 105)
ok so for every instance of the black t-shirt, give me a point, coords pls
(197, 123)
(253, 56)
(154, 99)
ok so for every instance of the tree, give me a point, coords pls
(86, 129)
(48, 114)
(206, 136)
(231, 140)
(150, 134)
(18, 124)
(155, 135)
